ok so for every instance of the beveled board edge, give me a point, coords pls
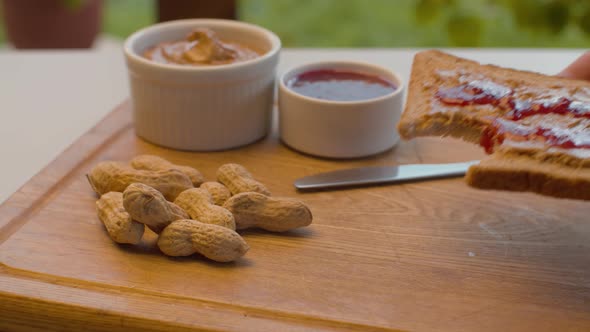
(35, 301)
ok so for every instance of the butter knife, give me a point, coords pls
(382, 174)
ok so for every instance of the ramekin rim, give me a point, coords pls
(271, 36)
(326, 64)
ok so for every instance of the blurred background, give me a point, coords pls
(313, 23)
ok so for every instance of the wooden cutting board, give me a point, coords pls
(430, 256)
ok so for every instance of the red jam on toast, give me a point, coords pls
(478, 92)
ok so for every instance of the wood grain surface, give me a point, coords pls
(430, 256)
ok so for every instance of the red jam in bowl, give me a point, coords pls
(329, 84)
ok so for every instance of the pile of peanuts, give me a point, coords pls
(188, 214)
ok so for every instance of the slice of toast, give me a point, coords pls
(524, 154)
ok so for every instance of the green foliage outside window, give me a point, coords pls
(394, 23)
(424, 23)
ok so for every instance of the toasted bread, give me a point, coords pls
(524, 157)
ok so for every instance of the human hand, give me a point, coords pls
(579, 69)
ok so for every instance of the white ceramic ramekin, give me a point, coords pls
(340, 129)
(202, 108)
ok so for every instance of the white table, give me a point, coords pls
(49, 98)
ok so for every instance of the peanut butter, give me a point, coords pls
(201, 47)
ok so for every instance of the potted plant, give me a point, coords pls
(52, 23)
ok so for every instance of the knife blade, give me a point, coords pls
(382, 174)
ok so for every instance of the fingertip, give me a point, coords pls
(579, 69)
(565, 74)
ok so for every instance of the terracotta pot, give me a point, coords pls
(169, 10)
(51, 24)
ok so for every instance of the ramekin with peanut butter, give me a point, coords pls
(202, 84)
